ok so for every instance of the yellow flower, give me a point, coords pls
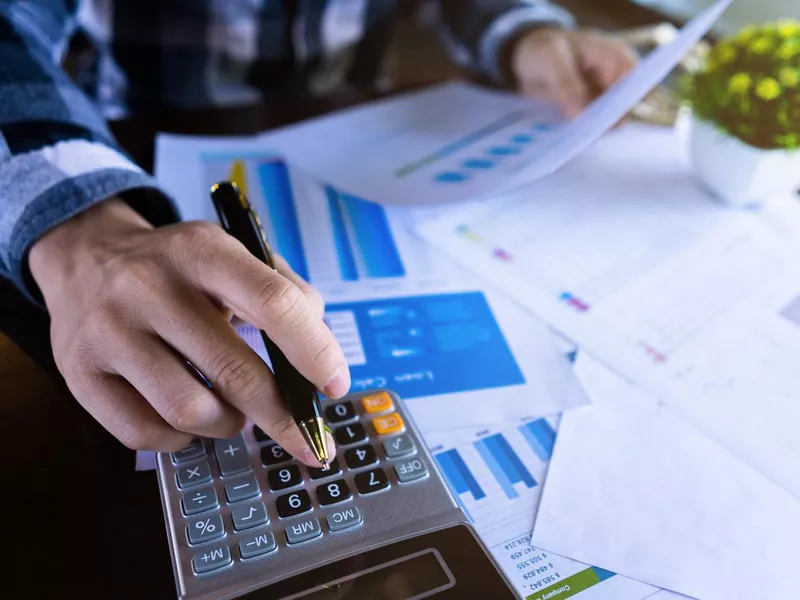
(789, 49)
(724, 53)
(768, 89)
(788, 28)
(740, 83)
(789, 77)
(761, 45)
(746, 34)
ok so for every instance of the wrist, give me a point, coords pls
(59, 254)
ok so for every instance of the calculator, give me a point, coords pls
(245, 520)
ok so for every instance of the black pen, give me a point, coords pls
(240, 220)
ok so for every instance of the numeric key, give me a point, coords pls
(293, 504)
(333, 492)
(340, 412)
(350, 434)
(360, 457)
(259, 434)
(274, 455)
(371, 481)
(334, 468)
(286, 477)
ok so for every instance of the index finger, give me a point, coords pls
(269, 301)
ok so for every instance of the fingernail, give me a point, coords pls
(311, 460)
(339, 383)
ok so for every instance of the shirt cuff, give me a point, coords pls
(41, 189)
(512, 22)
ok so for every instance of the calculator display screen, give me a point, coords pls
(448, 564)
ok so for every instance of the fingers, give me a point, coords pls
(268, 300)
(548, 68)
(124, 413)
(604, 60)
(164, 379)
(192, 324)
(312, 295)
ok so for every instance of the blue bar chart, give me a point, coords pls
(344, 250)
(458, 474)
(285, 234)
(541, 437)
(504, 463)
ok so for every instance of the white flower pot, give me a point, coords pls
(737, 173)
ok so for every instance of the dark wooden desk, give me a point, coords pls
(75, 516)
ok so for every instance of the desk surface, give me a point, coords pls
(80, 518)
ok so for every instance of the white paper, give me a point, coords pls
(502, 513)
(627, 256)
(456, 141)
(440, 308)
(636, 490)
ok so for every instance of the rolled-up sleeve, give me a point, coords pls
(475, 31)
(57, 156)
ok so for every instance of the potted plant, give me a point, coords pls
(744, 133)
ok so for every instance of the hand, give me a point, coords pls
(130, 304)
(568, 68)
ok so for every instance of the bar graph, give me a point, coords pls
(458, 474)
(541, 437)
(326, 235)
(283, 221)
(504, 463)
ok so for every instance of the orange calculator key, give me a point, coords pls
(377, 403)
(388, 424)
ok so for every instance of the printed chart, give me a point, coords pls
(497, 477)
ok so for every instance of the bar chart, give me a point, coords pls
(504, 463)
(325, 235)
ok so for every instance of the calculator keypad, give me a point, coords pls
(374, 450)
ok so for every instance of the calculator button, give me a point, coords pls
(232, 455)
(411, 469)
(344, 518)
(377, 403)
(194, 474)
(256, 545)
(199, 501)
(259, 434)
(293, 504)
(371, 481)
(249, 515)
(360, 457)
(194, 450)
(398, 446)
(274, 455)
(242, 488)
(388, 424)
(350, 434)
(340, 412)
(334, 468)
(210, 559)
(286, 477)
(303, 531)
(333, 492)
(205, 529)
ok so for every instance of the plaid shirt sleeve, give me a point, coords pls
(476, 30)
(57, 156)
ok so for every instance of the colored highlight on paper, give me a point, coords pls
(574, 302)
(458, 475)
(541, 437)
(237, 175)
(274, 176)
(573, 585)
(504, 463)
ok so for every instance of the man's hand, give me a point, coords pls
(131, 304)
(568, 68)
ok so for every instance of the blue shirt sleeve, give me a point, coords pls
(57, 156)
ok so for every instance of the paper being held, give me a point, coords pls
(634, 489)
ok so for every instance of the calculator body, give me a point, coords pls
(245, 520)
